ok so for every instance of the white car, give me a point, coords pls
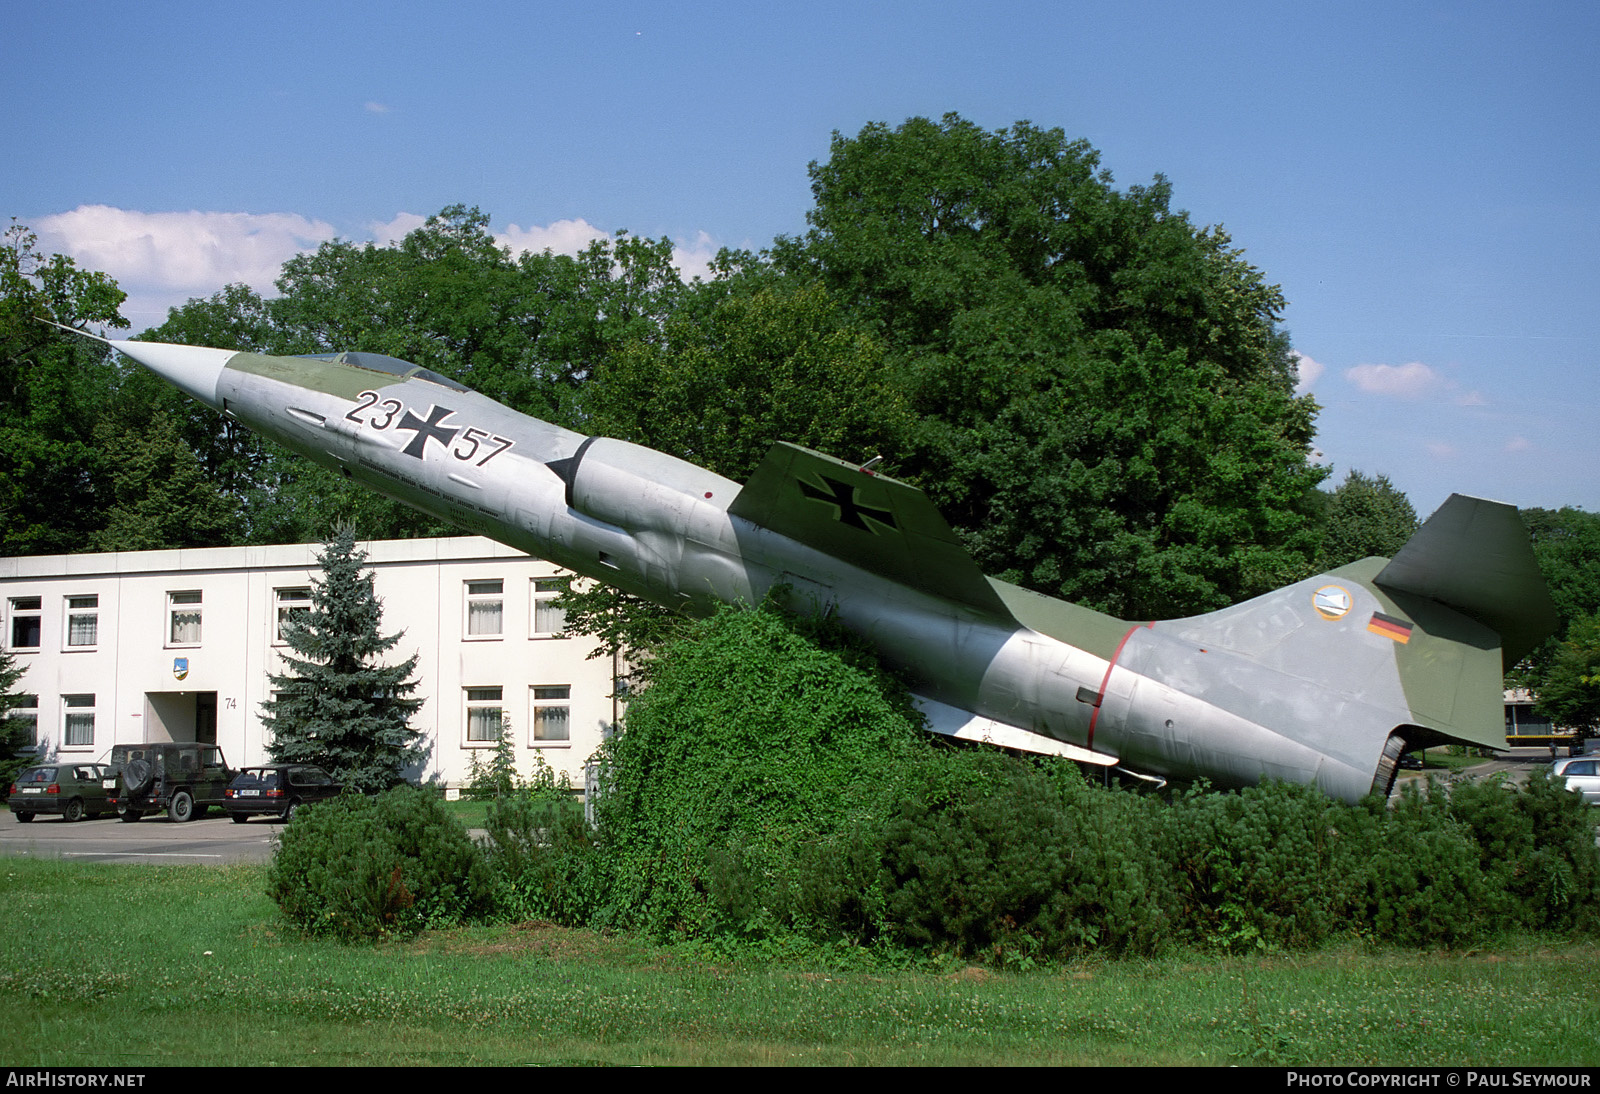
(1582, 774)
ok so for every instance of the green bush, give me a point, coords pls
(1421, 885)
(1016, 860)
(1536, 848)
(362, 867)
(1266, 867)
(542, 858)
(750, 745)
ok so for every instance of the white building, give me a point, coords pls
(177, 645)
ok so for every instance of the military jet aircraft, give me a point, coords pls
(1325, 682)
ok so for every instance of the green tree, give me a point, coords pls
(14, 735)
(54, 389)
(160, 495)
(1569, 687)
(338, 706)
(725, 380)
(1106, 404)
(528, 331)
(1364, 517)
(1566, 543)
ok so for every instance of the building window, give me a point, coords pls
(83, 622)
(484, 715)
(548, 620)
(26, 625)
(183, 613)
(485, 607)
(293, 604)
(552, 714)
(77, 723)
(23, 721)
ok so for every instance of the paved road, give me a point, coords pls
(212, 841)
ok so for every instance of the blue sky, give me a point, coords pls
(1421, 178)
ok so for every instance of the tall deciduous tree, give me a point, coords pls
(1106, 404)
(1364, 516)
(338, 706)
(1569, 687)
(53, 390)
(1566, 543)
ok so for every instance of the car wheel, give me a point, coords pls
(237, 818)
(23, 818)
(128, 816)
(288, 813)
(137, 775)
(181, 807)
(74, 810)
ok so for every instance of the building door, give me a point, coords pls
(181, 716)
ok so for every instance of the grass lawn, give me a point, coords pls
(130, 965)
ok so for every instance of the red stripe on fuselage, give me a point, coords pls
(1106, 679)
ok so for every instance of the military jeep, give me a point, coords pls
(183, 779)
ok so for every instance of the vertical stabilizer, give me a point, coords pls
(1474, 556)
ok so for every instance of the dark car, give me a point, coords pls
(183, 779)
(74, 791)
(277, 790)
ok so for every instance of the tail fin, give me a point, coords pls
(1474, 556)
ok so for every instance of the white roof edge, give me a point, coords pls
(286, 555)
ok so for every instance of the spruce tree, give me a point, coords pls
(338, 707)
(16, 743)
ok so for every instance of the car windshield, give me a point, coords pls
(37, 775)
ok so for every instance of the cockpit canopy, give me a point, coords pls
(382, 362)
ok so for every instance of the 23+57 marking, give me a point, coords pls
(431, 428)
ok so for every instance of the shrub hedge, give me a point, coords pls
(774, 788)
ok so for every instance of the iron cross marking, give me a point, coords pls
(431, 430)
(843, 496)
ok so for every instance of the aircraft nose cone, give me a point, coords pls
(192, 369)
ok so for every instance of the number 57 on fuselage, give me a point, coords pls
(1325, 682)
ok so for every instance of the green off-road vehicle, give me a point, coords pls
(183, 779)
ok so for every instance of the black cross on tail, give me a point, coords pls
(843, 496)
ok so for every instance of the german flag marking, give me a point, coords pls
(1390, 627)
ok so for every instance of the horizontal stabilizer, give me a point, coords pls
(966, 726)
(879, 524)
(1474, 556)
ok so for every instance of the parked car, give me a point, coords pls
(184, 779)
(74, 791)
(277, 790)
(1581, 774)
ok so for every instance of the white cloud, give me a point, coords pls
(1440, 450)
(375, 107)
(1472, 398)
(385, 232)
(162, 259)
(564, 237)
(193, 251)
(1518, 444)
(1409, 381)
(694, 260)
(1307, 370)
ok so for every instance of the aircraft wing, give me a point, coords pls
(876, 523)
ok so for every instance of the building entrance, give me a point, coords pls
(181, 716)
